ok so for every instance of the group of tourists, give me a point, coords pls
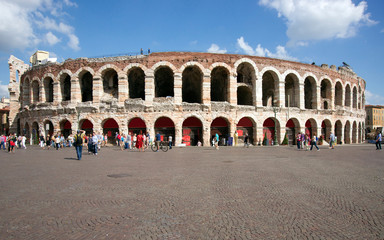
(304, 141)
(12, 141)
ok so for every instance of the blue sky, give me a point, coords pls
(320, 31)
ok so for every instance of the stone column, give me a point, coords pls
(280, 95)
(123, 88)
(260, 133)
(178, 135)
(332, 105)
(259, 92)
(177, 88)
(318, 98)
(56, 92)
(206, 91)
(232, 89)
(301, 102)
(42, 98)
(75, 91)
(149, 88)
(206, 135)
(97, 90)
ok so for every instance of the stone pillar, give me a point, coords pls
(258, 90)
(178, 135)
(177, 88)
(232, 89)
(56, 92)
(260, 133)
(149, 88)
(318, 98)
(42, 97)
(280, 95)
(206, 135)
(332, 105)
(206, 92)
(123, 88)
(301, 103)
(97, 90)
(75, 91)
(232, 130)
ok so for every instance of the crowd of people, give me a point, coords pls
(12, 141)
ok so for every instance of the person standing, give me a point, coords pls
(48, 141)
(332, 141)
(95, 141)
(78, 143)
(378, 140)
(129, 141)
(313, 142)
(157, 140)
(236, 137)
(298, 141)
(170, 141)
(139, 142)
(246, 140)
(57, 141)
(217, 138)
(2, 141)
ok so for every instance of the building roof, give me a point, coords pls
(374, 106)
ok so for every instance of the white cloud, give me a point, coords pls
(4, 91)
(23, 23)
(280, 53)
(373, 99)
(320, 19)
(51, 38)
(216, 49)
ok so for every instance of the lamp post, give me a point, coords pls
(275, 110)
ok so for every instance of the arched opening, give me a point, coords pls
(354, 132)
(48, 88)
(325, 93)
(137, 125)
(292, 92)
(111, 129)
(65, 128)
(35, 92)
(164, 82)
(192, 131)
(246, 74)
(165, 127)
(359, 133)
(243, 127)
(339, 131)
(292, 128)
(48, 128)
(310, 127)
(192, 79)
(338, 94)
(310, 93)
(347, 133)
(65, 85)
(219, 84)
(87, 126)
(348, 96)
(110, 85)
(86, 85)
(244, 96)
(270, 89)
(359, 99)
(270, 129)
(35, 133)
(26, 133)
(326, 128)
(221, 127)
(354, 97)
(136, 81)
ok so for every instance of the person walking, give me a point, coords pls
(157, 140)
(332, 141)
(95, 141)
(48, 141)
(298, 141)
(313, 142)
(246, 140)
(139, 142)
(57, 141)
(217, 138)
(170, 141)
(2, 141)
(378, 140)
(78, 143)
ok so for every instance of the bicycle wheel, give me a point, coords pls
(153, 147)
(164, 147)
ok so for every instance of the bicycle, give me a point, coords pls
(162, 146)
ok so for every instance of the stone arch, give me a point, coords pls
(107, 67)
(82, 70)
(164, 81)
(339, 94)
(292, 89)
(48, 127)
(86, 85)
(354, 132)
(326, 129)
(137, 125)
(220, 83)
(249, 61)
(244, 96)
(165, 126)
(338, 131)
(193, 64)
(246, 72)
(292, 128)
(65, 85)
(246, 125)
(326, 92)
(65, 127)
(110, 80)
(221, 126)
(271, 131)
(354, 97)
(310, 91)
(162, 64)
(270, 87)
(35, 91)
(347, 132)
(35, 132)
(311, 127)
(359, 105)
(136, 82)
(347, 95)
(48, 88)
(192, 84)
(192, 130)
(110, 128)
(87, 125)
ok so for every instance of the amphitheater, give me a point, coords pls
(189, 96)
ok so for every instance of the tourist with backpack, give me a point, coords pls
(78, 143)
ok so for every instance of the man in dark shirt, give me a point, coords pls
(157, 139)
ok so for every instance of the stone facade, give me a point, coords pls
(190, 96)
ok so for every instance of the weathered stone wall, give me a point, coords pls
(234, 71)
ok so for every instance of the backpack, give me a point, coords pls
(79, 140)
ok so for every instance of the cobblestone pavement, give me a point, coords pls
(193, 193)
